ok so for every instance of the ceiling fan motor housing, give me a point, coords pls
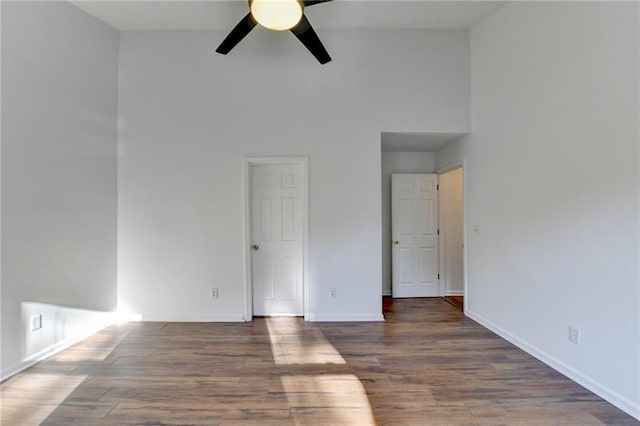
(271, 14)
(277, 15)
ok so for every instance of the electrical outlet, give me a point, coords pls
(214, 293)
(574, 335)
(36, 322)
(332, 293)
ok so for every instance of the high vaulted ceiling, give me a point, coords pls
(340, 14)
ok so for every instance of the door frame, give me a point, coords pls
(442, 290)
(249, 162)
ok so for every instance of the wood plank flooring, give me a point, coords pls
(426, 365)
(457, 301)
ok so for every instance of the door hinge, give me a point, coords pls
(438, 187)
(438, 232)
(438, 276)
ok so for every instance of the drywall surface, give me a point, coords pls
(451, 230)
(59, 142)
(189, 117)
(552, 173)
(397, 162)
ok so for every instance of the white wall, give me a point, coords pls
(397, 162)
(189, 116)
(451, 231)
(553, 184)
(59, 130)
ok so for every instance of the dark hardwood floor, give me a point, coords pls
(457, 301)
(426, 365)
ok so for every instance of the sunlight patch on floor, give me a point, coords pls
(291, 343)
(335, 398)
(94, 348)
(29, 398)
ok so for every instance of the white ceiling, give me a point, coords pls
(417, 142)
(127, 15)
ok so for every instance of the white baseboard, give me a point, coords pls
(52, 350)
(240, 318)
(346, 318)
(454, 293)
(189, 318)
(602, 391)
(386, 292)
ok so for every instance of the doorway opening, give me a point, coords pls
(417, 152)
(452, 236)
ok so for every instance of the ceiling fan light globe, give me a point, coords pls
(278, 15)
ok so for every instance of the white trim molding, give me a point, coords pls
(188, 318)
(594, 386)
(348, 318)
(101, 322)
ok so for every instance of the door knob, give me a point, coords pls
(255, 247)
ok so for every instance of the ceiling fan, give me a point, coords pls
(278, 15)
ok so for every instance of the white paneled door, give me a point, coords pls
(276, 234)
(414, 235)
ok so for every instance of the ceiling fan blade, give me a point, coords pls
(305, 33)
(237, 34)
(308, 3)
